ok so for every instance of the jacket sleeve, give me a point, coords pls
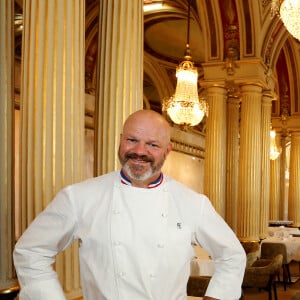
(50, 233)
(214, 234)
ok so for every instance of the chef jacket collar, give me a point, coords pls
(153, 184)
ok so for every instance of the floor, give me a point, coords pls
(291, 289)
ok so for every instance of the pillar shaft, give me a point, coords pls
(294, 186)
(7, 274)
(120, 85)
(283, 201)
(249, 163)
(215, 144)
(233, 105)
(52, 108)
(265, 166)
(274, 189)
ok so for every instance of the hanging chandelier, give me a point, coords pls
(289, 12)
(274, 150)
(185, 107)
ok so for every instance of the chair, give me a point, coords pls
(262, 273)
(197, 285)
(270, 250)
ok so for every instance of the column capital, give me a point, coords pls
(251, 88)
(251, 71)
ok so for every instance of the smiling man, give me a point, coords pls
(136, 228)
(144, 146)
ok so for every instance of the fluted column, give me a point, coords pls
(52, 107)
(274, 189)
(249, 163)
(120, 85)
(283, 201)
(294, 185)
(215, 144)
(7, 275)
(233, 105)
(265, 165)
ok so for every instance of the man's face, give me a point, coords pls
(143, 149)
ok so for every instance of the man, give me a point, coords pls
(136, 228)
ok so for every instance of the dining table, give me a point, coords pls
(283, 231)
(202, 263)
(292, 245)
(202, 267)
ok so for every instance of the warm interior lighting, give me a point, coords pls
(274, 150)
(185, 107)
(152, 7)
(289, 12)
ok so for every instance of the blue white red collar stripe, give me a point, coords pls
(152, 185)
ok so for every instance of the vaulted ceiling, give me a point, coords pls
(219, 29)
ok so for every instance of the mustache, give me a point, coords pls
(144, 158)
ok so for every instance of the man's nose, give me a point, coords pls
(140, 148)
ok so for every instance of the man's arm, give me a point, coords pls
(35, 252)
(229, 257)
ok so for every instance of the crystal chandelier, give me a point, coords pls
(289, 12)
(185, 107)
(274, 150)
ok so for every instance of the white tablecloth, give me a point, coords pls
(202, 264)
(281, 231)
(203, 267)
(292, 245)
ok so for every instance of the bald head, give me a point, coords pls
(150, 121)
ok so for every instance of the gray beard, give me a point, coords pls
(141, 177)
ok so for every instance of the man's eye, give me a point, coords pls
(153, 145)
(132, 140)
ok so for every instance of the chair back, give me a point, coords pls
(262, 272)
(270, 250)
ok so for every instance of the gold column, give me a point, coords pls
(274, 189)
(52, 108)
(215, 144)
(294, 185)
(249, 163)
(233, 105)
(7, 238)
(283, 201)
(120, 83)
(265, 165)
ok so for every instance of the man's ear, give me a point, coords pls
(169, 148)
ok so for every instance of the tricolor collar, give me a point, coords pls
(152, 185)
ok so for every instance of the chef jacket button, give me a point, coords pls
(122, 274)
(164, 215)
(117, 243)
(160, 245)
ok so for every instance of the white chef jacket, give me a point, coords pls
(135, 243)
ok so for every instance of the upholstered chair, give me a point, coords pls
(262, 273)
(270, 250)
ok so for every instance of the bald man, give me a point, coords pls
(135, 227)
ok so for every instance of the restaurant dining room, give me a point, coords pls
(224, 74)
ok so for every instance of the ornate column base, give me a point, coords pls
(250, 246)
(9, 293)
